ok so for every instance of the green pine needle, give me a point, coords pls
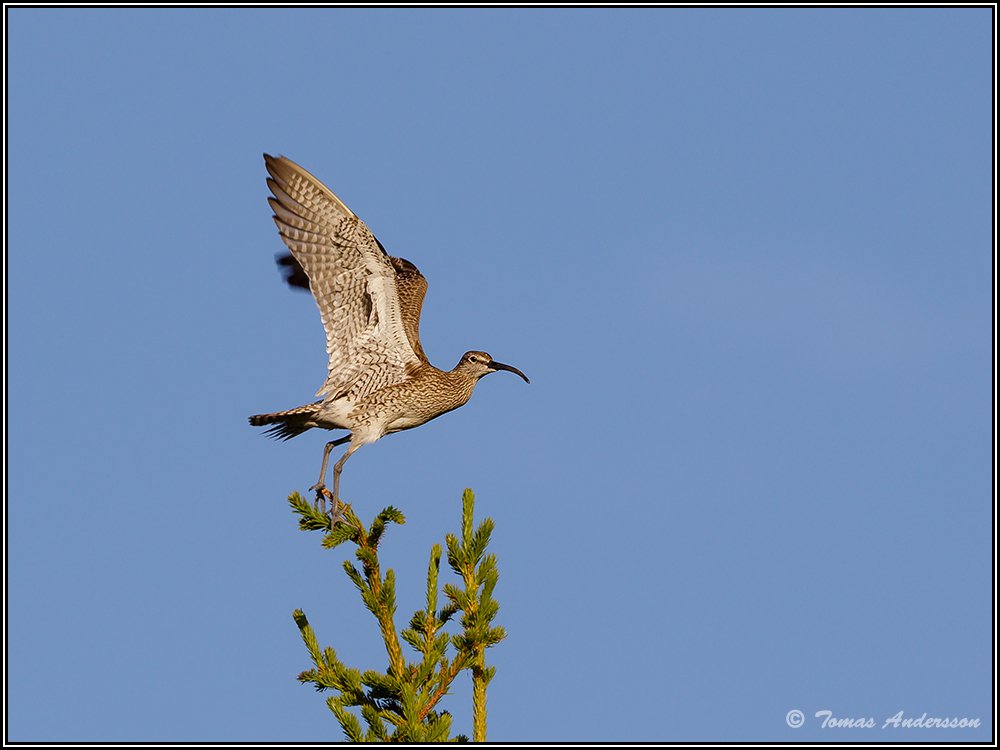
(341, 533)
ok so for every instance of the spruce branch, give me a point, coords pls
(401, 704)
(479, 574)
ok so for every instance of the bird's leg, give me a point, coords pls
(320, 487)
(337, 468)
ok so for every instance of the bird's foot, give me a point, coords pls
(338, 513)
(322, 493)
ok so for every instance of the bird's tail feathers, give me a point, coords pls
(287, 424)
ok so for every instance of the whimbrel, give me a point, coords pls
(379, 380)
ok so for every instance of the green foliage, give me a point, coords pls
(401, 704)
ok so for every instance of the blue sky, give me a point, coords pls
(745, 257)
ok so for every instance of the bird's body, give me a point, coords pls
(379, 380)
(425, 394)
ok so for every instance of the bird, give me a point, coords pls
(379, 380)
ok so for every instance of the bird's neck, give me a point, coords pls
(462, 383)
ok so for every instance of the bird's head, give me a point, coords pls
(481, 363)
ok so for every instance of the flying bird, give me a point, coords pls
(379, 380)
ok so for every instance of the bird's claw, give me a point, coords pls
(322, 493)
(336, 507)
(338, 513)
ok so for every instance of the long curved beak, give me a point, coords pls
(494, 365)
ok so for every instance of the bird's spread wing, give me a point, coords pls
(352, 279)
(411, 286)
